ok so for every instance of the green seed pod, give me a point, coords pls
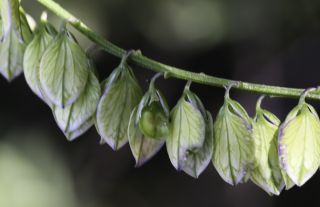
(75, 119)
(299, 142)
(233, 145)
(142, 147)
(12, 46)
(122, 93)
(266, 172)
(34, 51)
(190, 141)
(153, 113)
(64, 70)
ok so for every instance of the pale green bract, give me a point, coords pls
(188, 144)
(233, 148)
(64, 70)
(122, 93)
(78, 116)
(266, 172)
(12, 50)
(143, 148)
(299, 143)
(32, 57)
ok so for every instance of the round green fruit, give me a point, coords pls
(154, 122)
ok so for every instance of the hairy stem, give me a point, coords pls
(170, 71)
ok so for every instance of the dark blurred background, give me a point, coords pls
(264, 41)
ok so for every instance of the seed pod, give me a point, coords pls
(78, 116)
(12, 47)
(142, 147)
(266, 172)
(299, 142)
(233, 146)
(153, 113)
(189, 144)
(64, 70)
(122, 93)
(34, 51)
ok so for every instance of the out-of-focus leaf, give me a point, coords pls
(10, 14)
(122, 93)
(299, 143)
(73, 117)
(64, 70)
(267, 172)
(12, 50)
(32, 57)
(143, 148)
(233, 148)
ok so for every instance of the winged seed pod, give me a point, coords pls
(153, 113)
(64, 70)
(142, 147)
(190, 142)
(34, 51)
(233, 147)
(266, 172)
(299, 142)
(149, 124)
(75, 119)
(121, 94)
(13, 44)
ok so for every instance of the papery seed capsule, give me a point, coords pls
(34, 51)
(120, 96)
(75, 119)
(142, 147)
(299, 142)
(190, 141)
(266, 172)
(233, 145)
(64, 70)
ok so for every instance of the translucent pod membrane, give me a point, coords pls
(299, 142)
(233, 149)
(120, 95)
(190, 143)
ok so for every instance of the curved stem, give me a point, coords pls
(171, 71)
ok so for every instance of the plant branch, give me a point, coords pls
(170, 71)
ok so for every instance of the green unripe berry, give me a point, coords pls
(154, 122)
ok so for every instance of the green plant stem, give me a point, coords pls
(170, 71)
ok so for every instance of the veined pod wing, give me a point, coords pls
(31, 61)
(64, 70)
(199, 158)
(267, 171)
(122, 93)
(189, 144)
(233, 151)
(299, 143)
(76, 116)
(142, 147)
